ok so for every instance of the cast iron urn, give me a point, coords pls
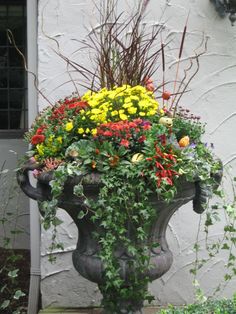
(86, 255)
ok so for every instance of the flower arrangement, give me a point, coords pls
(102, 130)
(124, 124)
(135, 145)
(137, 148)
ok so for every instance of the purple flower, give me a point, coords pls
(36, 173)
(192, 145)
(145, 123)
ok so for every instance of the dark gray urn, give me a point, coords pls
(85, 256)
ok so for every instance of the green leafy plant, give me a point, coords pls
(13, 264)
(214, 306)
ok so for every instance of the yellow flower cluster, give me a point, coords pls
(69, 126)
(120, 103)
(53, 144)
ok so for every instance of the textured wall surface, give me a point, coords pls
(212, 96)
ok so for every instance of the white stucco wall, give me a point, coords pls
(212, 97)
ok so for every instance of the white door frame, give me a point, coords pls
(32, 61)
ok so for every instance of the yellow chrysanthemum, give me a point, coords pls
(69, 126)
(59, 139)
(95, 111)
(127, 105)
(94, 131)
(120, 103)
(50, 139)
(132, 110)
(81, 131)
(123, 116)
(151, 112)
(114, 113)
(40, 149)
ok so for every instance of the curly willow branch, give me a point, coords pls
(11, 39)
(196, 57)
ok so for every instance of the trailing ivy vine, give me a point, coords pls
(12, 285)
(220, 212)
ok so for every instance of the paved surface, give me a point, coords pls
(148, 310)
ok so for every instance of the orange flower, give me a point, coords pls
(114, 160)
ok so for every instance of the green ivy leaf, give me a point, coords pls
(13, 273)
(225, 247)
(5, 304)
(81, 214)
(3, 288)
(18, 294)
(78, 189)
(56, 221)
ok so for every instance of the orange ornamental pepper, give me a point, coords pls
(93, 164)
(184, 141)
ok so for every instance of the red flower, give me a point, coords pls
(72, 106)
(169, 181)
(149, 84)
(138, 121)
(163, 139)
(150, 87)
(38, 138)
(39, 131)
(132, 125)
(142, 138)
(124, 143)
(59, 112)
(146, 126)
(107, 133)
(78, 104)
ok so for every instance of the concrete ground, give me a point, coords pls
(147, 310)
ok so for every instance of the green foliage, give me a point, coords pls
(121, 206)
(221, 213)
(182, 127)
(209, 307)
(123, 209)
(12, 299)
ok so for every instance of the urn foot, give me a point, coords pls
(127, 307)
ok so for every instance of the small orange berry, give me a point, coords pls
(166, 95)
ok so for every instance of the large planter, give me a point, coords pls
(85, 256)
